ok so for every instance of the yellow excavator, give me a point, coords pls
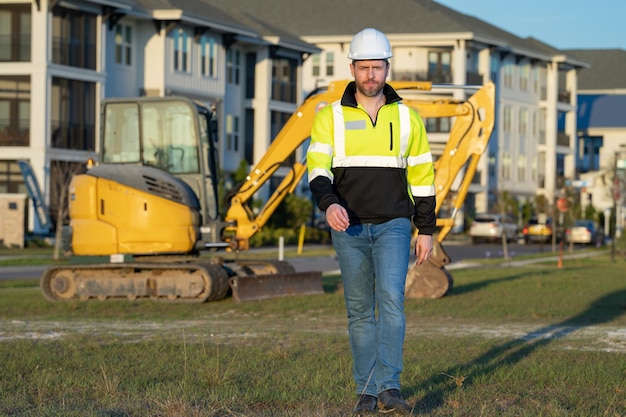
(140, 218)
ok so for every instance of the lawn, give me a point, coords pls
(532, 340)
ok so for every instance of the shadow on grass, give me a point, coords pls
(604, 309)
(467, 288)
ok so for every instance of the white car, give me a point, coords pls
(490, 227)
(585, 232)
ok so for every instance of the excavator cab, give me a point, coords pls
(170, 133)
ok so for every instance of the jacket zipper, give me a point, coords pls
(390, 136)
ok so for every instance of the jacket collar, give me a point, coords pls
(349, 99)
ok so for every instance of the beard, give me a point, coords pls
(370, 88)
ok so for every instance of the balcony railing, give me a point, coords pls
(14, 48)
(14, 136)
(562, 139)
(564, 96)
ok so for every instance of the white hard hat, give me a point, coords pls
(369, 44)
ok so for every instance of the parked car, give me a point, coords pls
(490, 227)
(585, 232)
(538, 230)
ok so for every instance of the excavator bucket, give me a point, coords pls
(430, 279)
(262, 287)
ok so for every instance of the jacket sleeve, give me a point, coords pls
(319, 159)
(425, 219)
(421, 177)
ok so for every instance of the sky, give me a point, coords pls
(562, 24)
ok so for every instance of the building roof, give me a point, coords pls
(342, 19)
(601, 111)
(290, 23)
(607, 71)
(205, 14)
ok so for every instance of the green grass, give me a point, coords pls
(507, 341)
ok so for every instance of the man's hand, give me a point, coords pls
(423, 248)
(337, 217)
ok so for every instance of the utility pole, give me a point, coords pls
(618, 165)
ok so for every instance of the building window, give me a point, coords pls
(284, 79)
(521, 167)
(74, 38)
(330, 64)
(508, 74)
(233, 64)
(494, 65)
(123, 44)
(14, 111)
(11, 179)
(524, 79)
(73, 114)
(278, 121)
(523, 122)
(437, 124)
(506, 165)
(536, 80)
(232, 133)
(589, 153)
(208, 61)
(15, 32)
(506, 124)
(315, 65)
(248, 153)
(250, 74)
(439, 67)
(182, 44)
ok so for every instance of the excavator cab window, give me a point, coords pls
(156, 133)
(121, 133)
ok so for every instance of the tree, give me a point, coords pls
(61, 174)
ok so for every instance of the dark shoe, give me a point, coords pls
(392, 402)
(367, 404)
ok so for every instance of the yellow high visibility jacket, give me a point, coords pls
(377, 171)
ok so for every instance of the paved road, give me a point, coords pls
(459, 253)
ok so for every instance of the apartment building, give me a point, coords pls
(254, 65)
(600, 179)
(59, 59)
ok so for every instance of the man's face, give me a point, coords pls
(370, 76)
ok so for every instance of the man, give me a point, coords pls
(370, 169)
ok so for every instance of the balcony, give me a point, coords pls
(562, 139)
(564, 96)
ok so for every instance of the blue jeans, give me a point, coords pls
(374, 259)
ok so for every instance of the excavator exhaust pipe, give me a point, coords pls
(430, 279)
